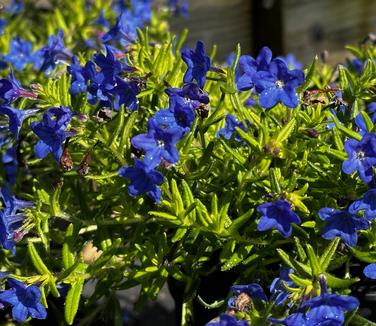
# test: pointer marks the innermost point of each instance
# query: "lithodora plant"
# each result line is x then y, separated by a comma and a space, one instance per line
132, 160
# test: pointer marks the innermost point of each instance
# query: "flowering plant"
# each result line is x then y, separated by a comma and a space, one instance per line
131, 159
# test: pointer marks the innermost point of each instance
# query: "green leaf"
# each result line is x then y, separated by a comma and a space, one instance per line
295, 265
348, 132
249, 139
37, 260
274, 183
236, 59
179, 234
299, 247
237, 257
177, 200
68, 254
358, 320
337, 154
300, 281
347, 81
242, 160
309, 224
55, 200
314, 261
310, 73
366, 256
367, 120
164, 215
55, 93
355, 51
182, 37
72, 301
119, 127
214, 305
338, 283
337, 139
42, 268
286, 131
328, 254
239, 222
203, 214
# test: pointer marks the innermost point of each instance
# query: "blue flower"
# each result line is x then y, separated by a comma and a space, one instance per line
3, 23
292, 320
326, 309
228, 320
229, 130
291, 61
142, 10
124, 30
342, 224
16, 117
10, 217
54, 52
3, 64
367, 204
329, 309
358, 65
20, 53
15, 7
198, 64
125, 94
159, 143
277, 215
165, 119
190, 91
183, 111
51, 132
101, 20
253, 290
79, 77
371, 109
143, 180
12, 203
108, 64
370, 271
98, 87
361, 124
25, 301
362, 156
183, 102
178, 7
277, 288
278, 84
11, 89
248, 66
10, 164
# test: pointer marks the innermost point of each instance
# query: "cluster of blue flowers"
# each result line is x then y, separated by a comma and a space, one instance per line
44, 59
101, 79
271, 79
168, 126
309, 310
11, 219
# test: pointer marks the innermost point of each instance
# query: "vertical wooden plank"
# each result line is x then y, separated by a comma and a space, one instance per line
314, 26
267, 25
221, 22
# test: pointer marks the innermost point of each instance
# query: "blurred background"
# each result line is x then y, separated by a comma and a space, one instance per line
303, 27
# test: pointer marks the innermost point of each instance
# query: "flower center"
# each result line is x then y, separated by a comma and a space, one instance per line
360, 155
160, 143
279, 83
